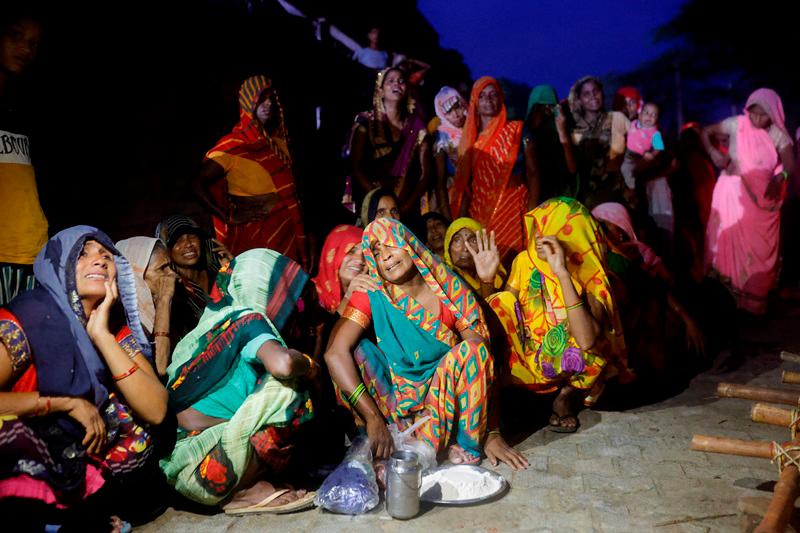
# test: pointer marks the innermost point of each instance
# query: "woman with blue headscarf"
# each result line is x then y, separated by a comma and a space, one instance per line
77, 383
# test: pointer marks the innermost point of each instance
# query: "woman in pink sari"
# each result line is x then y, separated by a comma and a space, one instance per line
742, 237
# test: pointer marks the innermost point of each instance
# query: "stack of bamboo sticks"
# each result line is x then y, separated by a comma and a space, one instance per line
781, 508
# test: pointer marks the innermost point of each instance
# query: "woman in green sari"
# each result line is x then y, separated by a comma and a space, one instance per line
232, 383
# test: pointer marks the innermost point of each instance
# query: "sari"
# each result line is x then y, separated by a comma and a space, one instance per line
743, 233
485, 166
391, 163
419, 366
258, 174
44, 332
457, 225
215, 370
338, 244
544, 355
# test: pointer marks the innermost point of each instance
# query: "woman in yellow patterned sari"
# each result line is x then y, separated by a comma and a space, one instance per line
558, 311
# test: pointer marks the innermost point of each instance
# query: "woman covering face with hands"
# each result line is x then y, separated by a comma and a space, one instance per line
76, 377
559, 313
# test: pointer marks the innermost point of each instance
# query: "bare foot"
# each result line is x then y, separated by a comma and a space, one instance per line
257, 493
459, 456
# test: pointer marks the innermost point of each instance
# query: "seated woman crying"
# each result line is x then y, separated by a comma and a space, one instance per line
430, 358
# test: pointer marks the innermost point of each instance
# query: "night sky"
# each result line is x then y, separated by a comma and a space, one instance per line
550, 41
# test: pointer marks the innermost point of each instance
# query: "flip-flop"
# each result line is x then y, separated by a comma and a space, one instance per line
560, 428
262, 507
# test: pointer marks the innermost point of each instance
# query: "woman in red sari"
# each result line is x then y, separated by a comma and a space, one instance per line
484, 188
256, 205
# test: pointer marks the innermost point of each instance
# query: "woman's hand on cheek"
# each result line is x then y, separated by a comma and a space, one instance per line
97, 325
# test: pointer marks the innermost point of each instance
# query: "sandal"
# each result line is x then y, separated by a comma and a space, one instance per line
304, 502
556, 424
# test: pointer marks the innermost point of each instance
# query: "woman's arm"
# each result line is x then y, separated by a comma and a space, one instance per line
584, 322
162, 299
718, 158
442, 198
146, 395
339, 358
283, 362
345, 39
210, 173
532, 174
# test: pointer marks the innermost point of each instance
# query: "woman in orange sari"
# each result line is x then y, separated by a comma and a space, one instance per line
484, 188
247, 182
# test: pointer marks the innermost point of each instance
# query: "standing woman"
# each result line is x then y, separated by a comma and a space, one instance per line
388, 146
247, 182
77, 388
485, 188
599, 139
742, 238
452, 112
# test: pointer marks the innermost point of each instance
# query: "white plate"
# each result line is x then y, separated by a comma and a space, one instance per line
433, 494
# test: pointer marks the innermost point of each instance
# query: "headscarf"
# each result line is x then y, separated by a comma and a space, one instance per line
169, 230
627, 93
772, 105
138, 250
541, 95
617, 214
369, 207
438, 277
585, 254
443, 102
338, 244
472, 224
249, 135
260, 286
67, 362
478, 142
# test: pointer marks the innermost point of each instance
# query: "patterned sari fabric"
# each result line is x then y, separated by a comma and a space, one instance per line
485, 165
420, 366
457, 225
544, 355
216, 371
339, 242
257, 164
743, 233
44, 333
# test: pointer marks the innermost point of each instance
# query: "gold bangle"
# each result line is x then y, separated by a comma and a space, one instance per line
575, 306
131, 370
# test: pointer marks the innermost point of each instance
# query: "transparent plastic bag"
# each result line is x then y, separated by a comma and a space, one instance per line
351, 487
404, 440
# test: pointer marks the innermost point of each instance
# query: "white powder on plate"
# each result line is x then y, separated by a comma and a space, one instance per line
455, 484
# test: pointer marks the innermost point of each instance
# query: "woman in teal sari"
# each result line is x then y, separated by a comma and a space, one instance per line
232, 384
431, 357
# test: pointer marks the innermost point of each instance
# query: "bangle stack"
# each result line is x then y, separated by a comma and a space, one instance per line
161, 334
356, 395
131, 370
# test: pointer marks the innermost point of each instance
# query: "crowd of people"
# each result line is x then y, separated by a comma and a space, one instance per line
548, 254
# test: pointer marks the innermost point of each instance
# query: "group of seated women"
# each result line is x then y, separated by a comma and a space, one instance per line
101, 362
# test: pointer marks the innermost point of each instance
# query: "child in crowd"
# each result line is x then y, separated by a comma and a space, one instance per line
644, 141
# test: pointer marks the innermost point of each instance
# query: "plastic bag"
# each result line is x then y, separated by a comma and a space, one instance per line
404, 440
351, 487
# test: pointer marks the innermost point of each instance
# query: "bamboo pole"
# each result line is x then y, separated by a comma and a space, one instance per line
748, 448
790, 357
781, 508
790, 377
763, 394
768, 414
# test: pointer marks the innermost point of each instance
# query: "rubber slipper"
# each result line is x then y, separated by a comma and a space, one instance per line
263, 506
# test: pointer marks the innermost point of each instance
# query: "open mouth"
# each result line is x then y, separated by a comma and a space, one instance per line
191, 254
97, 276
